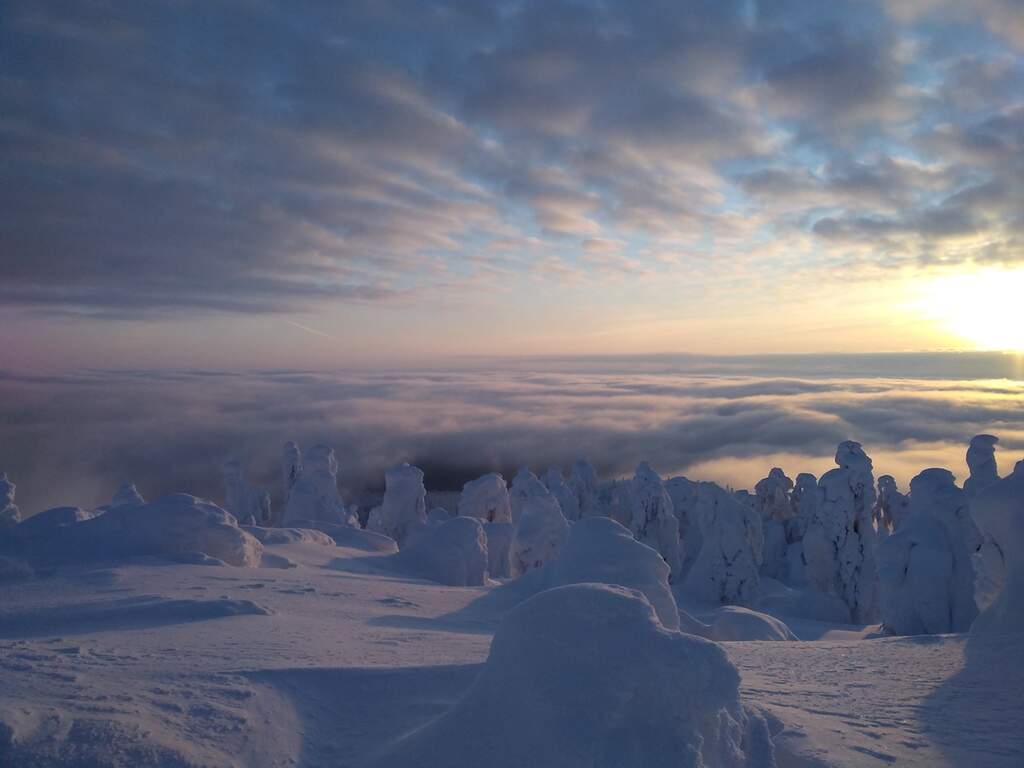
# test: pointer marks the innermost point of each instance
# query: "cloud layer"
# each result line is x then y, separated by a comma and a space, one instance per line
73, 439
173, 158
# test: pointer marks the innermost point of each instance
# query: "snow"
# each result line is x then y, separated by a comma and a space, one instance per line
249, 505
774, 504
891, 508
452, 553
486, 499
315, 493
539, 535
127, 494
583, 483
733, 623
499, 549
525, 487
653, 521
981, 461
925, 571
405, 502
593, 679
725, 570
9, 512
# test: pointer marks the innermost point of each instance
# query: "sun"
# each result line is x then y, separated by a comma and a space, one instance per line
984, 309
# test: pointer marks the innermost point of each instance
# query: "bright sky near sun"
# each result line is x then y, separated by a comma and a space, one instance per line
323, 183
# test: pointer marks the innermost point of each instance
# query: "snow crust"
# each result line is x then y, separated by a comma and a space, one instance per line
672, 700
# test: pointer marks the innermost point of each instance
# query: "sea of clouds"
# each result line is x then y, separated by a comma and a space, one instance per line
73, 438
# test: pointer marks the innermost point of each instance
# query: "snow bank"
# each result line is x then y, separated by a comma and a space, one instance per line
653, 520
839, 545
452, 553
174, 525
595, 680
999, 512
539, 535
9, 512
486, 499
315, 493
249, 505
725, 570
601, 550
405, 502
567, 500
925, 571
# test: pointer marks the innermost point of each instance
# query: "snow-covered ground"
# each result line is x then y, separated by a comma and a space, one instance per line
331, 661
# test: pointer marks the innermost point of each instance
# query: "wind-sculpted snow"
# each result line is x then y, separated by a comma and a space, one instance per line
539, 534
174, 525
925, 573
725, 570
594, 680
839, 545
999, 512
405, 502
486, 499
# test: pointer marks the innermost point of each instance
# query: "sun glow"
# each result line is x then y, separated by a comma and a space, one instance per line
985, 309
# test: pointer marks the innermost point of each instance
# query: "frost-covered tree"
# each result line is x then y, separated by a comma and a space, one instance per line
291, 468
839, 545
891, 506
405, 502
775, 508
567, 500
315, 494
486, 499
925, 571
653, 521
540, 534
127, 494
9, 512
526, 486
249, 505
725, 570
583, 483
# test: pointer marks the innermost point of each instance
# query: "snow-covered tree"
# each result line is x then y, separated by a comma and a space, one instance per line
291, 468
583, 483
486, 499
891, 506
315, 494
540, 534
776, 509
249, 505
405, 502
981, 460
653, 520
925, 571
999, 512
526, 486
989, 559
567, 500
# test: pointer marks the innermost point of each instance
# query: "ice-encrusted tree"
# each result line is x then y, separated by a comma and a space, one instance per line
567, 500
127, 494
540, 533
653, 520
583, 483
405, 502
839, 545
315, 494
526, 486
725, 570
9, 512
891, 507
926, 577
249, 505
775, 507
486, 499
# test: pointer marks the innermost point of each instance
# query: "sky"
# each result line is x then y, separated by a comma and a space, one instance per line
246, 184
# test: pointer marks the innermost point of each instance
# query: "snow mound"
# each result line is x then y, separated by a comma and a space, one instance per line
174, 525
733, 622
580, 700
452, 553
405, 502
924, 568
540, 534
999, 512
725, 571
599, 550
486, 499
348, 536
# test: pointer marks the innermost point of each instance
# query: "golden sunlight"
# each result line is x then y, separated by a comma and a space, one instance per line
982, 308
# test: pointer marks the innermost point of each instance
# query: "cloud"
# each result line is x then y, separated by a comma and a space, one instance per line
74, 439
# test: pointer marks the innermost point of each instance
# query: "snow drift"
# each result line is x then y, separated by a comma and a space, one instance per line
596, 680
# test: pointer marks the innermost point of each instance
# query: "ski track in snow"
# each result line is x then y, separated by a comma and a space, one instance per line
323, 664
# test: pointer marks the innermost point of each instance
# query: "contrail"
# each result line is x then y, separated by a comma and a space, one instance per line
307, 329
